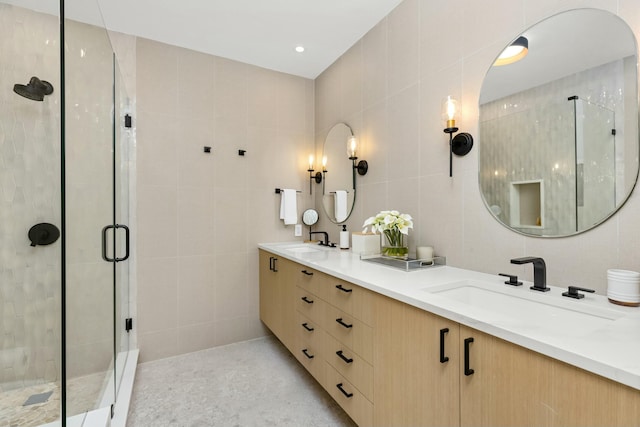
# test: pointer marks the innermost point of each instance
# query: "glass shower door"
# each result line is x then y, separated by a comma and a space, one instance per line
88, 190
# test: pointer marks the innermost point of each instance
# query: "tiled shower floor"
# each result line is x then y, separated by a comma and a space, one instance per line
252, 383
83, 394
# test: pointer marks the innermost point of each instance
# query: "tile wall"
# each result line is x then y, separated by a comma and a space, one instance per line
200, 216
389, 87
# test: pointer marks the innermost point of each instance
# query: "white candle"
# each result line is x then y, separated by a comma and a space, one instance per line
424, 253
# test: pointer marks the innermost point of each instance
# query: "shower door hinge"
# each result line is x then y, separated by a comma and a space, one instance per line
128, 324
127, 121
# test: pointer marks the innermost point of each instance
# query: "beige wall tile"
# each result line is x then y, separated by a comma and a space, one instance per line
158, 345
157, 136
403, 45
157, 294
375, 66
157, 208
196, 293
157, 71
195, 85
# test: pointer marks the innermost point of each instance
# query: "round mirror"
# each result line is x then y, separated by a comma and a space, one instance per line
338, 185
310, 217
558, 146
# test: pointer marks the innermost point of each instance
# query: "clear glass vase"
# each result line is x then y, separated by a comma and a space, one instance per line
395, 246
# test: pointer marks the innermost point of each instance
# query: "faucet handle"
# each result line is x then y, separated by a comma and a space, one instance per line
513, 280
572, 292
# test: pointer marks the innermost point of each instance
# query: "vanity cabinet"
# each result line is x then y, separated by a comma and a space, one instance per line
417, 360
431, 371
388, 363
277, 296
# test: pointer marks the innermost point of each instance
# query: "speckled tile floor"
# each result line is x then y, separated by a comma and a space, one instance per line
253, 383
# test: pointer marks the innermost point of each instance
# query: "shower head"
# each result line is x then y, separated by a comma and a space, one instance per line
35, 90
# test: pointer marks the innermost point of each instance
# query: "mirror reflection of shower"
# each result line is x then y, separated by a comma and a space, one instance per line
35, 90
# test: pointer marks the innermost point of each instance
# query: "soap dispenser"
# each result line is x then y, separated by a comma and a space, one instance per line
344, 238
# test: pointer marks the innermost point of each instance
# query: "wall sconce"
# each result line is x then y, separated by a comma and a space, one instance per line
352, 149
318, 175
461, 144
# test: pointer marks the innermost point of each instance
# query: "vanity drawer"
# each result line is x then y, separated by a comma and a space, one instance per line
350, 298
310, 305
312, 280
351, 366
349, 331
310, 356
309, 332
348, 397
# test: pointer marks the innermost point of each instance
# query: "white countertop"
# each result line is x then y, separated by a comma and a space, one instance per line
612, 350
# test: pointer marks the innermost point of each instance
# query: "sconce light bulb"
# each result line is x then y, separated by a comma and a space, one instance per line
310, 161
324, 163
352, 146
449, 111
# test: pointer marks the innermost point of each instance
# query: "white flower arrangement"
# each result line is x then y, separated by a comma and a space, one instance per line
389, 221
394, 226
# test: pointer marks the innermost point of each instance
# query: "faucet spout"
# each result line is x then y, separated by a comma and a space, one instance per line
539, 272
324, 233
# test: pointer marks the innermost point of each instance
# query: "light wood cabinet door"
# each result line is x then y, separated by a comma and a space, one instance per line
585, 399
412, 387
509, 386
277, 297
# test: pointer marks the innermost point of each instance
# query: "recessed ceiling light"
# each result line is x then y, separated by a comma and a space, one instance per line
513, 53
299, 49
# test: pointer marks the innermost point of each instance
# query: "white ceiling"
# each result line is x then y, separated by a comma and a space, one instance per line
258, 32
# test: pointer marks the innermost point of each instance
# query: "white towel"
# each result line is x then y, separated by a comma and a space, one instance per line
340, 205
288, 206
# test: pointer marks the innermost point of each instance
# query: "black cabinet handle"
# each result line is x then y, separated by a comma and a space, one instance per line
343, 357
275, 269
306, 326
343, 289
307, 273
443, 358
270, 263
349, 395
307, 300
467, 371
339, 320
309, 356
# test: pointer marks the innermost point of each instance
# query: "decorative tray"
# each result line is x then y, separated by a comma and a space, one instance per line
409, 264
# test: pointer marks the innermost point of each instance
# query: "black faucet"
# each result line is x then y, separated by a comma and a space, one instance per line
324, 233
539, 272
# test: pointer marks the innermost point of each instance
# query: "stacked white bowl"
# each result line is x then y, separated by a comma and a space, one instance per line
623, 287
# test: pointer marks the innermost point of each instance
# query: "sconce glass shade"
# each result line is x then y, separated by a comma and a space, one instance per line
310, 162
352, 147
514, 52
450, 111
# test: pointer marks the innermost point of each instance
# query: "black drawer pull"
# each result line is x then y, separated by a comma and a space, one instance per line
349, 395
306, 326
343, 289
308, 273
309, 356
270, 263
343, 357
307, 300
339, 320
275, 269
467, 371
443, 358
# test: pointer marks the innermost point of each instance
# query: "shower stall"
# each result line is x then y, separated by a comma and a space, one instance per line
65, 148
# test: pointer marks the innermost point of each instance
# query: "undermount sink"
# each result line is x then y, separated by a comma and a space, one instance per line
301, 249
542, 311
